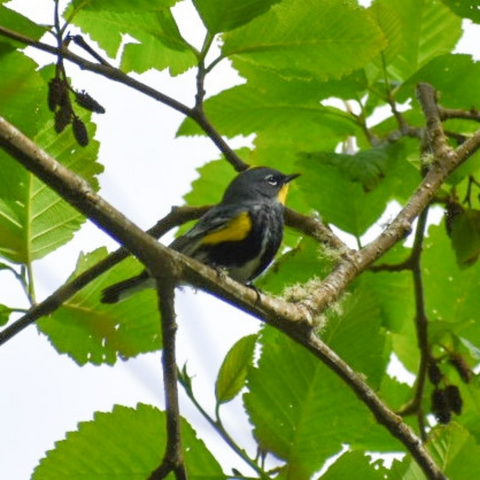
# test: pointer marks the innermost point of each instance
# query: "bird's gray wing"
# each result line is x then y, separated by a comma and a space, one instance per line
220, 218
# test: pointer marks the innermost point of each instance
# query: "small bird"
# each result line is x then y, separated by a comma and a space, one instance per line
240, 235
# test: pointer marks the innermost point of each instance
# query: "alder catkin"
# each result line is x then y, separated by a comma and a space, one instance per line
80, 132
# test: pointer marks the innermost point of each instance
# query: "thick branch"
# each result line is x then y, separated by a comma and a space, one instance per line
291, 319
435, 136
383, 414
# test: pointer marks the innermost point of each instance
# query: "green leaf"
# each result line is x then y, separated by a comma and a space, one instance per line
281, 149
465, 235
398, 469
360, 316
395, 393
302, 412
233, 371
389, 20
307, 38
23, 90
160, 43
121, 5
230, 14
91, 332
303, 262
124, 444
161, 46
428, 29
393, 292
354, 465
453, 75
20, 24
352, 191
451, 293
34, 220
465, 8
456, 450
214, 178
470, 394
300, 90
5, 313
245, 109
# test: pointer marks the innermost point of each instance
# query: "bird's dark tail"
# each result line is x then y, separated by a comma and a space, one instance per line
118, 291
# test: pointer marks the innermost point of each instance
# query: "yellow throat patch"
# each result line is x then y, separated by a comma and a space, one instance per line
282, 194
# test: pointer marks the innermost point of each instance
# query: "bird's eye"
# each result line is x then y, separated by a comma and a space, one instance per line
272, 180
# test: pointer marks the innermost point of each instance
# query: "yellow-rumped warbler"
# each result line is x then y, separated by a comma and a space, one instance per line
241, 234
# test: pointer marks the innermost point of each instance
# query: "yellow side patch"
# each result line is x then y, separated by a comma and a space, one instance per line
235, 230
282, 194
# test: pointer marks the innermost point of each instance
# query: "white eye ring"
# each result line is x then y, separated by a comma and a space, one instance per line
272, 180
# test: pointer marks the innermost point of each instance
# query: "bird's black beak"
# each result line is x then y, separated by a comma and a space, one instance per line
291, 177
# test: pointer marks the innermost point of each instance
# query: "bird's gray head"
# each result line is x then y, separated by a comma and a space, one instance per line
258, 184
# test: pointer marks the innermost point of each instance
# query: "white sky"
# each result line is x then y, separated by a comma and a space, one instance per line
45, 395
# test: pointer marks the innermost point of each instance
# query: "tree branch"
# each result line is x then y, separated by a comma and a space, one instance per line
434, 135
421, 320
178, 216
173, 460
117, 75
448, 113
313, 227
294, 320
382, 413
356, 262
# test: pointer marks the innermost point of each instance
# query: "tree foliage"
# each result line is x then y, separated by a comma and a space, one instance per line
324, 304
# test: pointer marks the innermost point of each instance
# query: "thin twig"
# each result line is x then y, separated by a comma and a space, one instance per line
458, 137
448, 113
80, 41
313, 227
202, 72
117, 75
421, 323
436, 142
405, 129
173, 460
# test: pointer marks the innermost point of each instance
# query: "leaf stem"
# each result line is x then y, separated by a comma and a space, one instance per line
217, 425
30, 283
